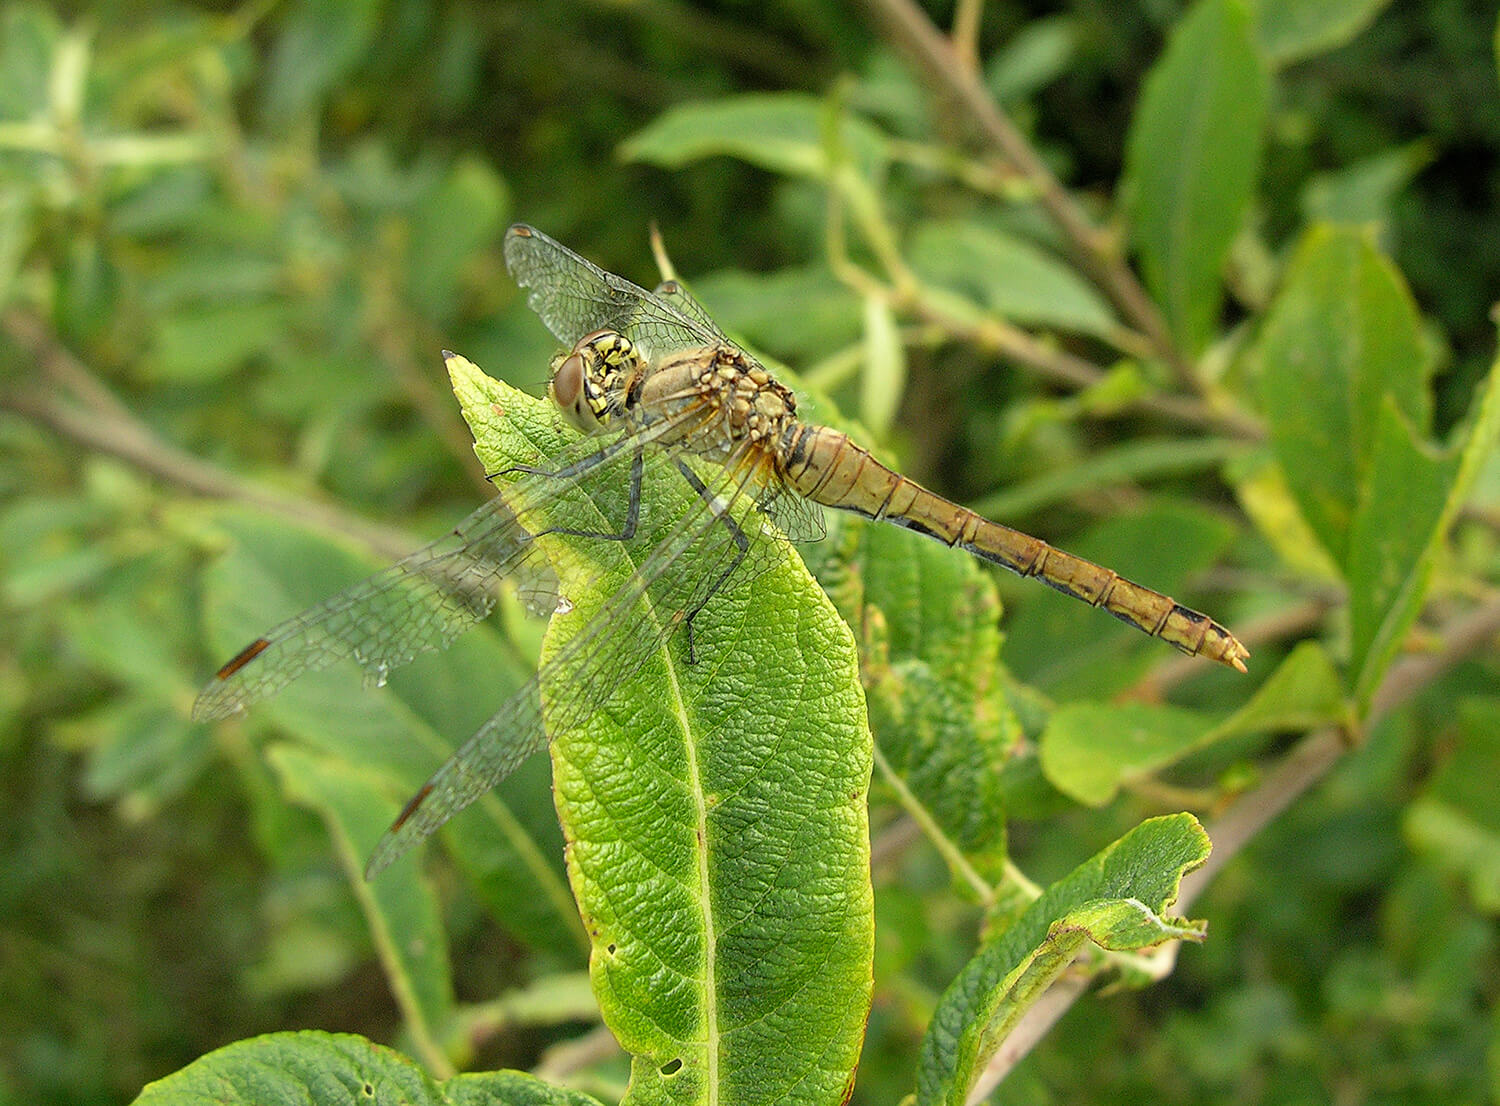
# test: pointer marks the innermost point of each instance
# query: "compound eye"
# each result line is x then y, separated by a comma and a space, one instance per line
568, 388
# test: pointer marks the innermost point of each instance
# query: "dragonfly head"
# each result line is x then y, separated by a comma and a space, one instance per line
590, 382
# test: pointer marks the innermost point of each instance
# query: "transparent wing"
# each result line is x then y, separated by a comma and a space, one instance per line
673, 293
418, 604
574, 298
422, 602
715, 542
795, 517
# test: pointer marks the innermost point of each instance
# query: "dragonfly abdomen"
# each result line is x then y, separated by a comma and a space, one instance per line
826, 466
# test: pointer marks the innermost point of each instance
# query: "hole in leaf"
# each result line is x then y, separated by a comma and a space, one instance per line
671, 1067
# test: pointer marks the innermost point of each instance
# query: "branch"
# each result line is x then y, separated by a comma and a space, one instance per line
1063, 367
78, 406
915, 34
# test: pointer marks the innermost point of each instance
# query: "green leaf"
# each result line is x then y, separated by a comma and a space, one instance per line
1305, 691
1456, 820
196, 344
715, 811
29, 38
1117, 899
1088, 750
404, 915
508, 841
1365, 192
1342, 334
321, 41
145, 749
1192, 158
1344, 379
1261, 486
1412, 496
288, 1068
798, 313
1289, 30
1008, 276
1036, 55
930, 655
781, 131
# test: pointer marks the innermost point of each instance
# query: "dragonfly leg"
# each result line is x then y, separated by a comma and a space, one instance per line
736, 534
582, 465
632, 512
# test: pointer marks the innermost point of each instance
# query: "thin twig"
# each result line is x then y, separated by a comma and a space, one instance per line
1030, 1031
966, 19
1062, 367
81, 408
952, 855
997, 336
915, 34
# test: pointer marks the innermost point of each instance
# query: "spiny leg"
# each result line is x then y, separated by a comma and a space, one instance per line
632, 511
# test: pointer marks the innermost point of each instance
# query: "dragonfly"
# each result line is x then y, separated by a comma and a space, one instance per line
656, 391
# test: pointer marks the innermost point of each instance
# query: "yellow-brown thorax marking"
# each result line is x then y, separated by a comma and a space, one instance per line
739, 403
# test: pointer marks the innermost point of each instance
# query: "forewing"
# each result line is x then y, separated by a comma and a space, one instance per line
422, 602
419, 604
574, 298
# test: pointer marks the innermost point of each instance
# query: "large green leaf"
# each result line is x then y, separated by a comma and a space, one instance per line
1412, 495
783, 132
285, 1069
1342, 333
930, 643
1292, 29
1344, 379
1117, 900
1008, 276
715, 811
1192, 159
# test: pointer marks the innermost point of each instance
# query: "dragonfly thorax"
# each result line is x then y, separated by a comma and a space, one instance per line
720, 396
732, 401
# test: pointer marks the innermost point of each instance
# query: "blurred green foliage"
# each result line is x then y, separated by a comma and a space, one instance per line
234, 239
